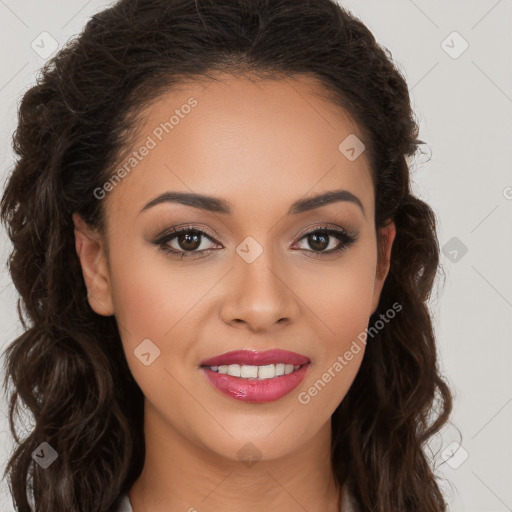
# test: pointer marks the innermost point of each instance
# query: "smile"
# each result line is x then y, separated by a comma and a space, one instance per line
244, 371
256, 377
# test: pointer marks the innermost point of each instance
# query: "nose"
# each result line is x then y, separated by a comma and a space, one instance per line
259, 296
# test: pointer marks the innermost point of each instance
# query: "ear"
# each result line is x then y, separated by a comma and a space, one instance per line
385, 238
91, 252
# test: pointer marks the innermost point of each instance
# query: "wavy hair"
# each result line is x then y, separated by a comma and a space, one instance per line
68, 367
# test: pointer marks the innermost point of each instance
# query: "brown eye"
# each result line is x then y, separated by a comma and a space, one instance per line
318, 241
189, 241
323, 241
186, 242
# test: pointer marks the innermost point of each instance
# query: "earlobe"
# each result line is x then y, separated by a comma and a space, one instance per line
90, 250
387, 236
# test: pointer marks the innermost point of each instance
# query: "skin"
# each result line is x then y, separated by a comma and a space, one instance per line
261, 146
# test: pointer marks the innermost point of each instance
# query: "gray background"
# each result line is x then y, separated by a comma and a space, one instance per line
464, 103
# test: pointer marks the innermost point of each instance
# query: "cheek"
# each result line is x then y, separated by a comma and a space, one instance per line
341, 305
150, 296
159, 301
341, 295
151, 300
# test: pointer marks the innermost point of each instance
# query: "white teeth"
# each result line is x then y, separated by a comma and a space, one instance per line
234, 369
244, 371
288, 369
266, 372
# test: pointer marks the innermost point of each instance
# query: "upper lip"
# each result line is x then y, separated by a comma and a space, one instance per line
255, 358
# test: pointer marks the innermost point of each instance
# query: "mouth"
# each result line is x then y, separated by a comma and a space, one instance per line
256, 377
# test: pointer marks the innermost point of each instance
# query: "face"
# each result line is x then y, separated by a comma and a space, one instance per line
249, 274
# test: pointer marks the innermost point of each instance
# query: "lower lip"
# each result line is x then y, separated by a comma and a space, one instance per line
255, 390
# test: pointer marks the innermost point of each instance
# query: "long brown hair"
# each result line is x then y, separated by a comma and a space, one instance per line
68, 367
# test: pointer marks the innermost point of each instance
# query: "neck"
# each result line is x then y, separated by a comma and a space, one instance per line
180, 475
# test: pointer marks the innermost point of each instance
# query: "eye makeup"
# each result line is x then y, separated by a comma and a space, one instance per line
185, 242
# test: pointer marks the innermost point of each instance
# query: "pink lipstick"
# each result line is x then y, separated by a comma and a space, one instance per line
256, 377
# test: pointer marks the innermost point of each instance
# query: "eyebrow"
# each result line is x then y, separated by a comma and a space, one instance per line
217, 205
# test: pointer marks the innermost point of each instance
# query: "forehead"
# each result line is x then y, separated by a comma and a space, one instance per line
250, 141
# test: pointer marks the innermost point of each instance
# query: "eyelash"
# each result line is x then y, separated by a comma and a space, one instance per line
346, 240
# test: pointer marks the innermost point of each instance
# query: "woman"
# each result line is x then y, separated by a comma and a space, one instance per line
223, 268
